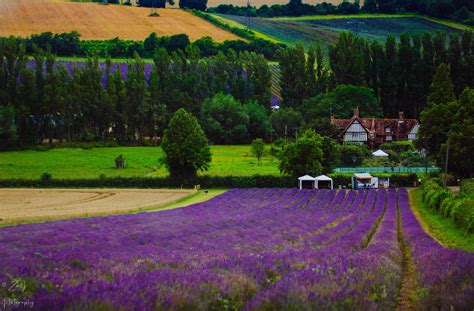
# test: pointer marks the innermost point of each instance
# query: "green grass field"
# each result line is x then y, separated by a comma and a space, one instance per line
308, 29
75, 163
442, 229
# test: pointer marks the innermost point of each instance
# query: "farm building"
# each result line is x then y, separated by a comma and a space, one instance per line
374, 131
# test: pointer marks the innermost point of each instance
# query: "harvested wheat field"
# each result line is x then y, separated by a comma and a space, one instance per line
25, 205
94, 21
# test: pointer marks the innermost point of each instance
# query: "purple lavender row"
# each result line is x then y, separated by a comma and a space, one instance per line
315, 284
341, 194
445, 276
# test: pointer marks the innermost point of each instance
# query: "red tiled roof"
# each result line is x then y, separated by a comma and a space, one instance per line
399, 128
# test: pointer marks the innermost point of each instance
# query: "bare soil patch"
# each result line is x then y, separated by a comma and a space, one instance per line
93, 21
26, 205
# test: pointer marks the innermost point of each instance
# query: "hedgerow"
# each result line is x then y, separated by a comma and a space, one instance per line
457, 207
256, 181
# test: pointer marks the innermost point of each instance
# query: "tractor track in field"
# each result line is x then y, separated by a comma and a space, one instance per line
409, 285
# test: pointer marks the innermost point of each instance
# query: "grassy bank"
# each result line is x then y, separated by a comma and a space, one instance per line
440, 228
77, 163
198, 197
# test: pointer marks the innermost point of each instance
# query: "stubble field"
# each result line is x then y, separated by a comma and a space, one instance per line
93, 21
25, 205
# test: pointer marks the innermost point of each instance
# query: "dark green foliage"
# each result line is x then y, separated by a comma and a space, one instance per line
441, 89
259, 123
286, 122
301, 76
90, 103
185, 146
330, 154
46, 177
457, 207
462, 136
341, 102
352, 154
199, 5
224, 119
321, 126
154, 3
69, 44
304, 156
346, 59
8, 131
256, 181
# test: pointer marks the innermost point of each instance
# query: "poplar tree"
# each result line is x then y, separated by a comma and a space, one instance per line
441, 88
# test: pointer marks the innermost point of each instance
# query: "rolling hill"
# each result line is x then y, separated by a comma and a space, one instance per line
93, 21
308, 29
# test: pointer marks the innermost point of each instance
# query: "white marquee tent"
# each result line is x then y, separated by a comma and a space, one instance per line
306, 178
379, 153
323, 178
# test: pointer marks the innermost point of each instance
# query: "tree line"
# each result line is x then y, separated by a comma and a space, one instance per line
397, 72
88, 103
458, 10
70, 44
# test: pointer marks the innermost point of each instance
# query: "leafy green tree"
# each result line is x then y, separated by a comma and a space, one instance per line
341, 102
330, 154
285, 122
436, 122
185, 146
224, 119
258, 149
352, 155
323, 127
441, 89
259, 123
461, 136
303, 156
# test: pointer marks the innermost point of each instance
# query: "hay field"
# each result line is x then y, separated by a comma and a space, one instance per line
26, 205
94, 21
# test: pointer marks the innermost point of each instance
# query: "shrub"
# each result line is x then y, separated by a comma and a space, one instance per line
46, 177
463, 214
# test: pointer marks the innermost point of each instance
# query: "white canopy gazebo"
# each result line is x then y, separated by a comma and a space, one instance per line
306, 178
323, 178
379, 153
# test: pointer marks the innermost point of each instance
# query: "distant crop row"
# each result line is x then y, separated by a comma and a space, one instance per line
247, 249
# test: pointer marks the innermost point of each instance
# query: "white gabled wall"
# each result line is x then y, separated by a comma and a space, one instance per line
413, 133
355, 132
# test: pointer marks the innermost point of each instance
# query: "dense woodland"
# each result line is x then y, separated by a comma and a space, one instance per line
459, 10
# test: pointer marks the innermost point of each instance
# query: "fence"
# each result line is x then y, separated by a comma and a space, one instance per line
387, 169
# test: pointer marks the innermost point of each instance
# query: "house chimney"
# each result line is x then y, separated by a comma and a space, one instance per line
356, 111
401, 116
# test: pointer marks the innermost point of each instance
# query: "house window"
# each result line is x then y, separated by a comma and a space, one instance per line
355, 135
387, 130
388, 138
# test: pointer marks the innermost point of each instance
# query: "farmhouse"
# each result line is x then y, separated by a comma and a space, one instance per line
374, 131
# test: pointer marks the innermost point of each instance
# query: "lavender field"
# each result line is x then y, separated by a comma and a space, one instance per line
257, 249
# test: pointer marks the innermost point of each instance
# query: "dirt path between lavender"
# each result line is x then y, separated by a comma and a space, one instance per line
30, 205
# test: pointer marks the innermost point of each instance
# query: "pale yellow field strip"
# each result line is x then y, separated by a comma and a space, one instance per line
26, 205
94, 21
